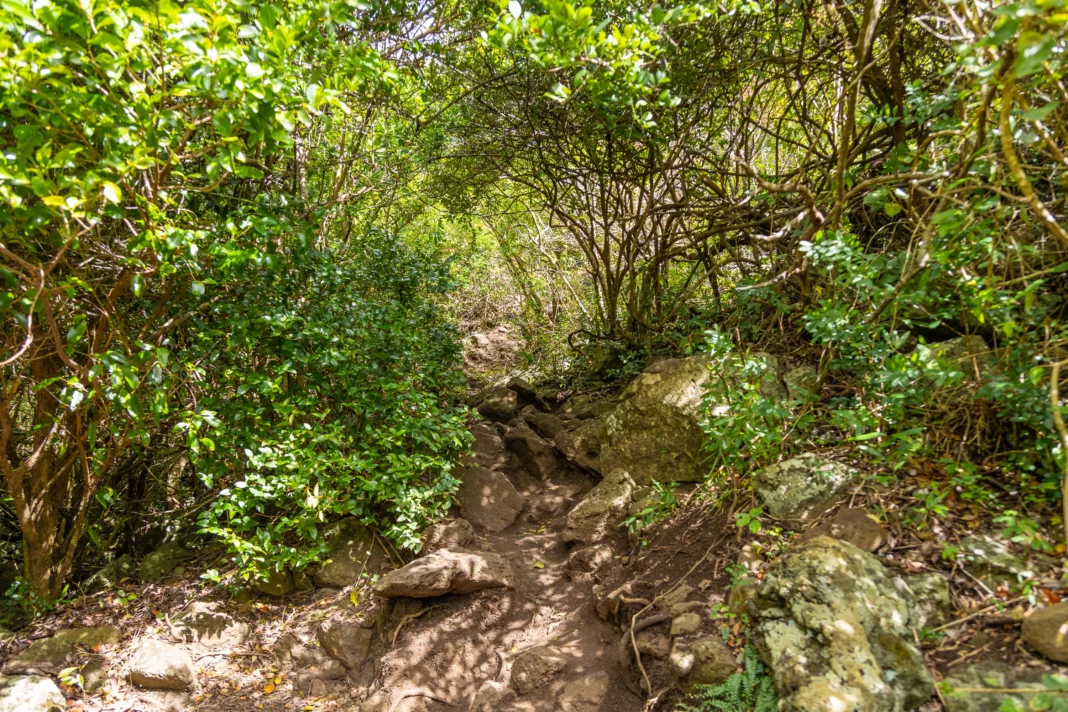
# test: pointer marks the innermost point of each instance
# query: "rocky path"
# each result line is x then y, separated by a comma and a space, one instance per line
535, 644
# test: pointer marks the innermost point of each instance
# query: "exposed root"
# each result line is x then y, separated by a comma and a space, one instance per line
418, 692
408, 619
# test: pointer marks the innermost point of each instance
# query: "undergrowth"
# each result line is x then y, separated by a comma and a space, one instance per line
751, 690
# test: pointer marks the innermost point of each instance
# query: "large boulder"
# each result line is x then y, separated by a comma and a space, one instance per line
655, 431
161, 666
837, 629
447, 571
488, 499
601, 510
208, 624
353, 549
30, 693
582, 445
801, 488
496, 403
533, 451
162, 561
488, 447
1046, 630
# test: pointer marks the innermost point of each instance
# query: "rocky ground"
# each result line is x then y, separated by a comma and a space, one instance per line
531, 596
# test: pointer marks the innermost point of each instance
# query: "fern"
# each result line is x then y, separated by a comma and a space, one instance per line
751, 690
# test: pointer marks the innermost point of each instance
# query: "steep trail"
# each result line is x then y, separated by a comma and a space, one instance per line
566, 654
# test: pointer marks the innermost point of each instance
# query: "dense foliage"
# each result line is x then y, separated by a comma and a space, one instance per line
225, 225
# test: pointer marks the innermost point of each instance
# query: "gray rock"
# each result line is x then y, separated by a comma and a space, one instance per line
932, 604
545, 424
836, 627
447, 571
352, 549
686, 624
448, 535
161, 666
61, 649
277, 583
210, 625
488, 499
533, 451
802, 383
851, 524
162, 561
655, 431
584, 694
971, 353
30, 693
1046, 630
705, 661
590, 560
345, 641
112, 574
993, 675
993, 562
654, 642
497, 403
601, 510
535, 667
582, 445
299, 651
584, 407
488, 448
801, 488
527, 393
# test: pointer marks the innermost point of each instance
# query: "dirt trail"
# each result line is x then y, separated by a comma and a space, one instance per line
459, 642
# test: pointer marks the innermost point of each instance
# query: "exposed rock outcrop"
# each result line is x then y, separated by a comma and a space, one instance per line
30, 693
496, 403
455, 534
162, 561
582, 445
353, 549
837, 629
533, 451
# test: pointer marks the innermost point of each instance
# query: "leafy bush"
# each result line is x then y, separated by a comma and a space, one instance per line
338, 393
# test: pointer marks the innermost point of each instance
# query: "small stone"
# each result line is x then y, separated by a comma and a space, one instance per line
681, 659
448, 535
488, 499
162, 561
533, 668
488, 447
112, 574
30, 693
277, 583
208, 624
851, 524
713, 662
584, 694
447, 571
686, 624
675, 596
590, 560
679, 609
161, 666
654, 643
801, 488
1046, 630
